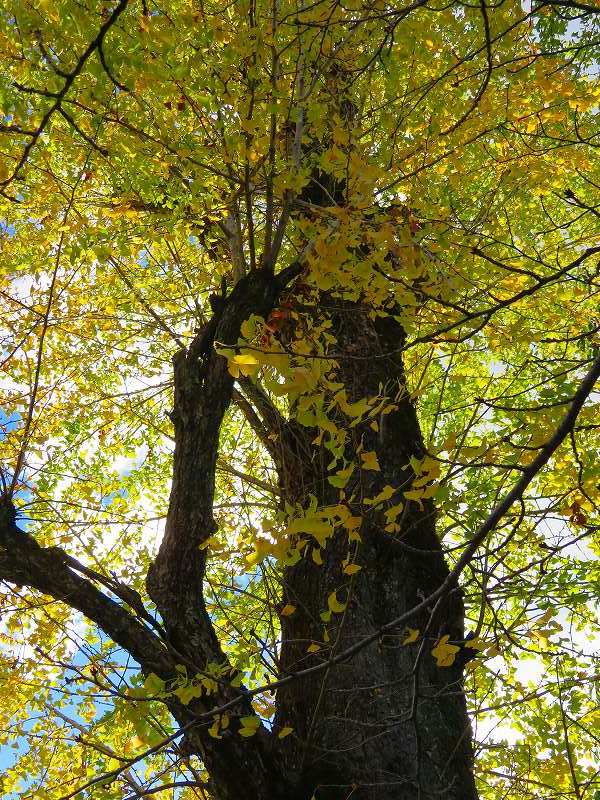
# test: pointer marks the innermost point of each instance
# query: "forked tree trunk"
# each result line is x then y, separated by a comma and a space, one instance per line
385, 724
388, 722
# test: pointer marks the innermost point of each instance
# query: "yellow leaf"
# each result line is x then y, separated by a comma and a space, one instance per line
249, 726
369, 461
313, 648
352, 525
445, 653
430, 467
414, 494
262, 548
251, 326
284, 732
334, 604
383, 495
476, 644
392, 513
546, 617
316, 526
341, 477
413, 635
316, 556
243, 364
352, 569
288, 610
449, 443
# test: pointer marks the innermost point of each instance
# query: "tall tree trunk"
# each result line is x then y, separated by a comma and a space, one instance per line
389, 722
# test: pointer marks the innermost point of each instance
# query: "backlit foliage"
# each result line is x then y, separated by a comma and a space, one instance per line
152, 153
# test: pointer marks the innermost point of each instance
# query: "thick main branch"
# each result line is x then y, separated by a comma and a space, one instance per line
24, 562
203, 391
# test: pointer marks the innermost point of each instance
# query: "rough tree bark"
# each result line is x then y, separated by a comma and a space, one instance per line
389, 723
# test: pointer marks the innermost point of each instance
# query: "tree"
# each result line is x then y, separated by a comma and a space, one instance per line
329, 271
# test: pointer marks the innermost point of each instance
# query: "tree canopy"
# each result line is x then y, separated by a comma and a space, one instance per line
299, 439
